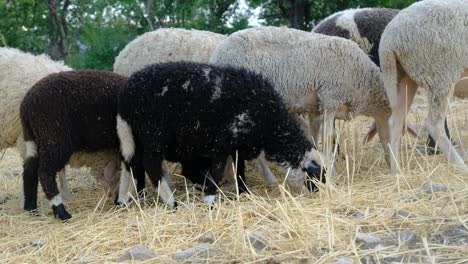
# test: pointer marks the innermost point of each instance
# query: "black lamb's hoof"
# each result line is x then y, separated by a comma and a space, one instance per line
60, 212
244, 191
30, 206
175, 205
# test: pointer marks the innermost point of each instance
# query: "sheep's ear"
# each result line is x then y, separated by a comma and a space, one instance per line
371, 134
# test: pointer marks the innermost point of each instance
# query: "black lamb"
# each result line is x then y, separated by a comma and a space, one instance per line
64, 113
189, 110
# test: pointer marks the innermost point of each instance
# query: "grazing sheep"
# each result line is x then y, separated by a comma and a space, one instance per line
19, 71
313, 73
365, 27
425, 45
164, 45
62, 114
187, 110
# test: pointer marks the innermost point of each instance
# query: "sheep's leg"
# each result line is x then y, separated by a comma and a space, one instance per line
434, 124
431, 143
315, 124
381, 123
30, 178
52, 159
328, 135
153, 165
241, 183
217, 169
405, 93
65, 189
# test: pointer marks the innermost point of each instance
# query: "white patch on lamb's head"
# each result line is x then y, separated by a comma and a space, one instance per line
216, 89
240, 123
206, 73
127, 144
124, 187
31, 149
346, 21
163, 91
56, 201
186, 85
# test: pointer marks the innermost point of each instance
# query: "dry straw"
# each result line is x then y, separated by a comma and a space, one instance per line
401, 222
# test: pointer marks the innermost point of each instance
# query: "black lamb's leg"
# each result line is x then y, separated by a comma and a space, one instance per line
30, 183
241, 183
431, 143
52, 159
217, 172
153, 166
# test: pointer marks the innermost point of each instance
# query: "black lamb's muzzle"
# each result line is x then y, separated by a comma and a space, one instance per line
315, 172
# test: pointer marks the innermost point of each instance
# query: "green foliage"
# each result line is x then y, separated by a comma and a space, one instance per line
98, 46
97, 30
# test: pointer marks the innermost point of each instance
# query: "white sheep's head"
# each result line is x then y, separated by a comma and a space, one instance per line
312, 165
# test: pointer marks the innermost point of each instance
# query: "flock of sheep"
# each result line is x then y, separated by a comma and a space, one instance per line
211, 98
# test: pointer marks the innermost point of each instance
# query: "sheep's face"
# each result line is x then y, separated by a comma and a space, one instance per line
311, 166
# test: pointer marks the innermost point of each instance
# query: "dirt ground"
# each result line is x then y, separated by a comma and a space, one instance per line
363, 215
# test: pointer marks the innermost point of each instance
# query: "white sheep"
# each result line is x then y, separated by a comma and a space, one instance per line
425, 45
164, 45
19, 71
314, 73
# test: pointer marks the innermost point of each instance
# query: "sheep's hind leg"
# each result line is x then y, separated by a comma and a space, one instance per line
30, 178
51, 161
434, 123
431, 143
405, 93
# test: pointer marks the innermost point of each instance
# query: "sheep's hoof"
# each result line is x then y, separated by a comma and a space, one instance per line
60, 212
30, 206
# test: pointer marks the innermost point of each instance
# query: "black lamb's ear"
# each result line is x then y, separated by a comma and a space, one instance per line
315, 172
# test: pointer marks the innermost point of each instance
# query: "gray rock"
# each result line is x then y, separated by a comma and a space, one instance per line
85, 260
415, 193
367, 238
402, 214
207, 238
406, 236
343, 260
138, 252
201, 251
39, 242
432, 187
4, 198
455, 235
257, 239
367, 212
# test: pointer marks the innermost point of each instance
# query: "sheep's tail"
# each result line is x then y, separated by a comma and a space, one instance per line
389, 66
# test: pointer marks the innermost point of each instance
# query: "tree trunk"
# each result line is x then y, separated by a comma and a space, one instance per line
149, 14
296, 12
58, 48
53, 43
